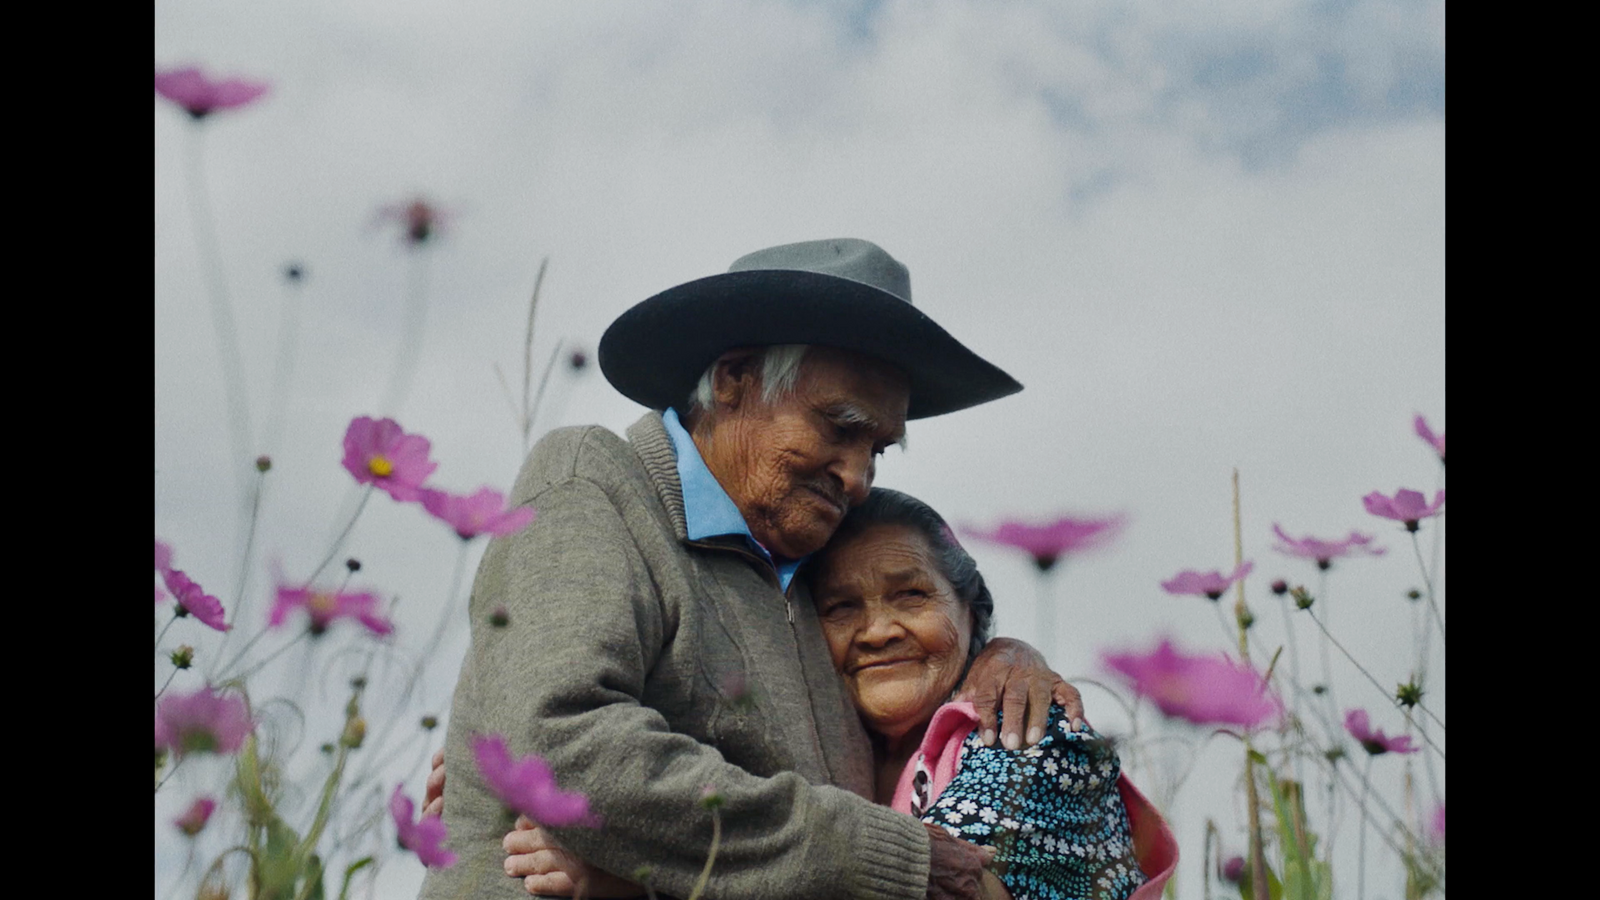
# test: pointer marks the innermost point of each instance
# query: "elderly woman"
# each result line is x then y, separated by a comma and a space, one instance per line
905, 613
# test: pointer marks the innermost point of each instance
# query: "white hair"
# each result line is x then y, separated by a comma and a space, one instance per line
780, 369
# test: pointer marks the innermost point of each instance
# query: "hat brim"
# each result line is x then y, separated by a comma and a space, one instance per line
655, 352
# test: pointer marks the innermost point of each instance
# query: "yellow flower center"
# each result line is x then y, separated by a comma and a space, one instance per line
380, 467
322, 603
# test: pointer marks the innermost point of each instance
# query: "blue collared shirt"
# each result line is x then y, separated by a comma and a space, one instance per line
707, 509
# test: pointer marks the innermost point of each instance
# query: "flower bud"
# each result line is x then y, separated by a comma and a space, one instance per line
263, 463
1409, 694
294, 272
326, 748
710, 798
429, 723
1280, 587
183, 656
353, 564
578, 361
355, 731
1334, 754
1413, 594
1319, 689
1233, 870
1302, 598
359, 682
499, 618
1246, 619
193, 821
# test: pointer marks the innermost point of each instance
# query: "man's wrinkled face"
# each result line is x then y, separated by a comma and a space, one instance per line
794, 466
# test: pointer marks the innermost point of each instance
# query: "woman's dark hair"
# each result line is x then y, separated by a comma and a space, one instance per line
887, 507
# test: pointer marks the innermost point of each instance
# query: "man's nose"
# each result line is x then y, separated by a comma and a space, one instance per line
855, 471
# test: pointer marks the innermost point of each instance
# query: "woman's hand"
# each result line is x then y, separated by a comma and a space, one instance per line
1011, 676
433, 793
546, 867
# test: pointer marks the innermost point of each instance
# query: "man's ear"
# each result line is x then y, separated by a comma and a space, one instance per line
736, 380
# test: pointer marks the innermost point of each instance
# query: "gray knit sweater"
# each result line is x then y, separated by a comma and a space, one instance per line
623, 664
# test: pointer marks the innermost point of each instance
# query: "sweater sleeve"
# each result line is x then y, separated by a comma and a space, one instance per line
564, 679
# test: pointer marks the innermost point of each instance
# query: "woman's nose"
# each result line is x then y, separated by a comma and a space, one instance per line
881, 628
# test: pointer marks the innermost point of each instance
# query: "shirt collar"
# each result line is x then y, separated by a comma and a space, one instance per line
708, 511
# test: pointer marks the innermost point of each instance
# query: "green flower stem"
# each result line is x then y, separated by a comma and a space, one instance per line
1044, 612
1361, 841
338, 542
221, 309
325, 807
1384, 806
451, 604
164, 628
241, 677
237, 609
283, 369
164, 684
530, 412
411, 340
716, 843
1427, 582
170, 773
1374, 681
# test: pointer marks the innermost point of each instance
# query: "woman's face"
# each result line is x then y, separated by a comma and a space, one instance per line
898, 634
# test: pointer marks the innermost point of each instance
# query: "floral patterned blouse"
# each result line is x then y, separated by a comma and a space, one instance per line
1052, 810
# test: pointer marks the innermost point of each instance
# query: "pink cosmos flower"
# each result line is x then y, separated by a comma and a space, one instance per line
199, 95
377, 452
1373, 740
1407, 506
163, 557
1205, 584
202, 722
419, 219
325, 607
1204, 690
528, 786
1436, 825
1324, 552
1049, 542
1434, 440
193, 821
473, 515
425, 838
192, 600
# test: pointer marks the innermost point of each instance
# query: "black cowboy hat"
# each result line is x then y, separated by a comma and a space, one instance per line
844, 293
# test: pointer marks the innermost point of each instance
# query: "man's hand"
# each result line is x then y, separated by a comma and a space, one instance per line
1011, 676
433, 793
546, 867
955, 867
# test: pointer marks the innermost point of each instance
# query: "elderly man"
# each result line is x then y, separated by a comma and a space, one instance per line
655, 642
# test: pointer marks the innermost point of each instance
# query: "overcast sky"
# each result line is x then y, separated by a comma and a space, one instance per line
1206, 237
